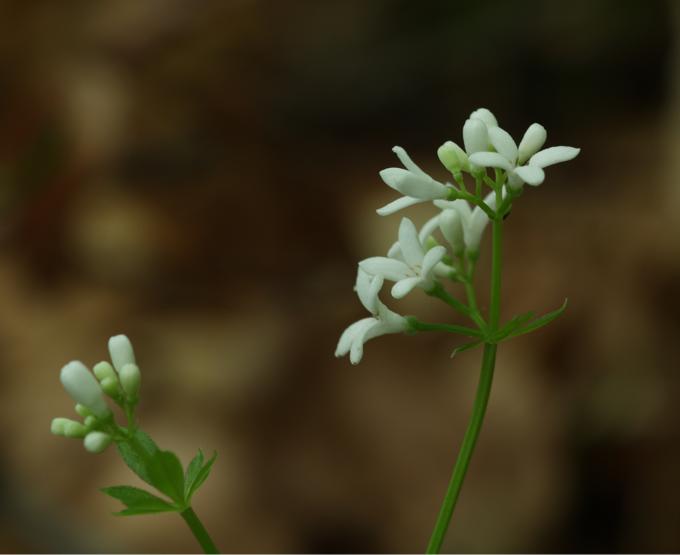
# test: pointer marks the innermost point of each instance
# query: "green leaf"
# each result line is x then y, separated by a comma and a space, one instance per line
167, 475
540, 322
512, 325
138, 501
192, 472
137, 452
466, 347
201, 477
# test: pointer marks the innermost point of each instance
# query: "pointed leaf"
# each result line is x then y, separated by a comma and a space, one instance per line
137, 452
167, 475
201, 476
466, 347
540, 322
513, 324
192, 472
138, 501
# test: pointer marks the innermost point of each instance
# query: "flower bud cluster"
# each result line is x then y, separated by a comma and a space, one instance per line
119, 381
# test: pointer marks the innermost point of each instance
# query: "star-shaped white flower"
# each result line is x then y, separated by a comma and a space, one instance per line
414, 267
513, 159
382, 322
412, 182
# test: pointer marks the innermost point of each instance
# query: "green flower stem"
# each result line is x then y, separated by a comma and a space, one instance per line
417, 325
199, 531
441, 293
481, 398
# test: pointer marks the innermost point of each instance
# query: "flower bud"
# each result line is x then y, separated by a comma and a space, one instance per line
104, 370
90, 421
452, 228
82, 386
58, 425
130, 379
453, 157
121, 352
82, 410
475, 136
96, 442
531, 143
486, 116
67, 428
110, 386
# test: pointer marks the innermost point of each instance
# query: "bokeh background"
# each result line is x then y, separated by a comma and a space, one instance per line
202, 176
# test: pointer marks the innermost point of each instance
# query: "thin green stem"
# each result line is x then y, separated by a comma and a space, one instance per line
199, 531
481, 398
445, 296
417, 325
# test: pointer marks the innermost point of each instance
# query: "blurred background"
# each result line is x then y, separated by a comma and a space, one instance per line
203, 176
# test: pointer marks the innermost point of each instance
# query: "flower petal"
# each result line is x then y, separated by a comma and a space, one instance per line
503, 143
432, 258
367, 288
356, 351
486, 116
490, 160
553, 155
475, 136
410, 245
399, 204
531, 174
428, 229
395, 252
347, 337
405, 286
451, 226
391, 269
409, 164
413, 185
534, 138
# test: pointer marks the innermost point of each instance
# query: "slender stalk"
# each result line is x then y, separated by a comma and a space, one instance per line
417, 325
481, 399
199, 531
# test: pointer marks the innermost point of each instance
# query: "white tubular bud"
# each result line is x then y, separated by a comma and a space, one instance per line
82, 386
452, 228
121, 352
58, 425
110, 386
475, 136
96, 442
104, 370
453, 157
130, 379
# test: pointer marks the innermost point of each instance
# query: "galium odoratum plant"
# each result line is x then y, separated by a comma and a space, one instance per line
489, 174
120, 380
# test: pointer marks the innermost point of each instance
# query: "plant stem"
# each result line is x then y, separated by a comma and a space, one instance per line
199, 531
481, 398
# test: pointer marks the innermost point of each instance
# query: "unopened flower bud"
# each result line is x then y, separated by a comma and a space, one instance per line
67, 428
82, 386
104, 370
110, 386
121, 352
83, 411
58, 425
452, 228
96, 442
130, 379
453, 157
90, 421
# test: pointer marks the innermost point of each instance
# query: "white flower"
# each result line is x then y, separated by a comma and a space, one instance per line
485, 116
82, 386
475, 138
121, 352
412, 182
382, 322
511, 158
415, 268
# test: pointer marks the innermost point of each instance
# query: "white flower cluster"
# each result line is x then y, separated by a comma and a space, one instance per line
119, 381
417, 259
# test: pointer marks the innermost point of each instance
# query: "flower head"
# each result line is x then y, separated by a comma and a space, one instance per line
513, 159
409, 265
382, 321
82, 386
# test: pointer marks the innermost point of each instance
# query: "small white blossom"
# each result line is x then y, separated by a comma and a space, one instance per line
96, 442
382, 322
415, 269
82, 386
121, 352
511, 158
412, 182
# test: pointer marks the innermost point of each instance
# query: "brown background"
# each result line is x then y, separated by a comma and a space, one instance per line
202, 176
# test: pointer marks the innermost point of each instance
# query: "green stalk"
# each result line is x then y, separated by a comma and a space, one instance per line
481, 398
199, 531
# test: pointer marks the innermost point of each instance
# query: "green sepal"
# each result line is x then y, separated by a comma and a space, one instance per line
138, 501
466, 347
197, 473
539, 322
